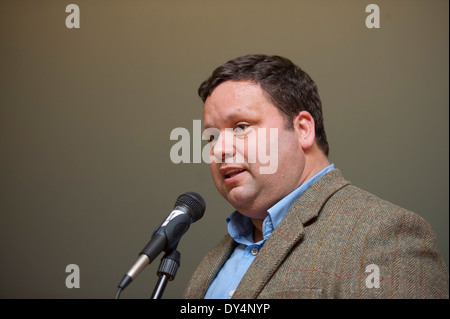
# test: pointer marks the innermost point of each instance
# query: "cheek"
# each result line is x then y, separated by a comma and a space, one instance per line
246, 149
290, 153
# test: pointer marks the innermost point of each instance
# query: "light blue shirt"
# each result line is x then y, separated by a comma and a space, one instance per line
240, 229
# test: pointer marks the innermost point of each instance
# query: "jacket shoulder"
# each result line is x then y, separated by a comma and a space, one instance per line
356, 231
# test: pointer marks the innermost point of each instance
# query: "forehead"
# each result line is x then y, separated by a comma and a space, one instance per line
235, 99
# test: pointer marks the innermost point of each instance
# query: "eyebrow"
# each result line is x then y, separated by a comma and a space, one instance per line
233, 117
249, 112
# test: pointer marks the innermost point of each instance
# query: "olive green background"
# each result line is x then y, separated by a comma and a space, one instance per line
86, 116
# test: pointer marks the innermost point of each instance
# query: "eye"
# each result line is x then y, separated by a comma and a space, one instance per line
240, 128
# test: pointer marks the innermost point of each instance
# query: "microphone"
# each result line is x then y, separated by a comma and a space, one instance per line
189, 207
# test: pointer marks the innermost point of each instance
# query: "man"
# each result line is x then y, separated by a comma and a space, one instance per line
301, 231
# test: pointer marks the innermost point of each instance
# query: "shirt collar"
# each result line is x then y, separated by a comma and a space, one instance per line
240, 227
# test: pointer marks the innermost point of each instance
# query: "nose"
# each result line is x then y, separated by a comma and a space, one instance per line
224, 147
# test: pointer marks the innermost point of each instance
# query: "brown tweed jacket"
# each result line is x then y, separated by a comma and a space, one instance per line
325, 245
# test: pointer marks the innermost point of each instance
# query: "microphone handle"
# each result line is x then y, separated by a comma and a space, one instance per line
166, 237
155, 246
148, 254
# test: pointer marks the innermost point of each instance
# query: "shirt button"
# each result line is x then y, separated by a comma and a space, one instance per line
254, 251
231, 293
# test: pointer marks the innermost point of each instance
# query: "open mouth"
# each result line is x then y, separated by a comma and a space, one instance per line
230, 174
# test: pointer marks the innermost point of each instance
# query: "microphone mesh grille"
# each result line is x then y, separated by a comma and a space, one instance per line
195, 202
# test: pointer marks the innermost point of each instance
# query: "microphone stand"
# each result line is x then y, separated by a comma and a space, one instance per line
166, 272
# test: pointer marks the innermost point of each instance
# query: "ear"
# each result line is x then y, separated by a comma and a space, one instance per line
305, 128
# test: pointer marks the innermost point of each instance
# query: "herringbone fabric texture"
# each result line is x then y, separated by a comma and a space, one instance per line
326, 241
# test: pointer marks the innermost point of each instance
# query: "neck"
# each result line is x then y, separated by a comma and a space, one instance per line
257, 231
315, 162
313, 166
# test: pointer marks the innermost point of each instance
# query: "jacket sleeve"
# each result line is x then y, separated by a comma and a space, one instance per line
403, 260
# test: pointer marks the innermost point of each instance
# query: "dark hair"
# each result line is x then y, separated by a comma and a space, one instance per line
287, 86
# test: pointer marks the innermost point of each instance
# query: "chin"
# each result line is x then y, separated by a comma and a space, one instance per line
240, 199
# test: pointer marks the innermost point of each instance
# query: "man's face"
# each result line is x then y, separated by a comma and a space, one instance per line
241, 113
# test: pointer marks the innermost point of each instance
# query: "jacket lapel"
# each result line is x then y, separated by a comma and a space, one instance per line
289, 232
209, 268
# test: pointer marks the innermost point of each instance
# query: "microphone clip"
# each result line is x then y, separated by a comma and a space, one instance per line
166, 272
